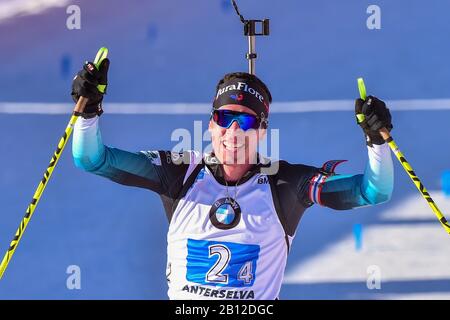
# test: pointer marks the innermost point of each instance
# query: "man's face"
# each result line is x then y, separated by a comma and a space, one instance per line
233, 146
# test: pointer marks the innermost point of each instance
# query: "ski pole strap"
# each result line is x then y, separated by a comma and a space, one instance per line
317, 181
329, 166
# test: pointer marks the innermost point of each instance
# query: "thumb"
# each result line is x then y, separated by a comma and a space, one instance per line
358, 105
359, 111
103, 75
103, 71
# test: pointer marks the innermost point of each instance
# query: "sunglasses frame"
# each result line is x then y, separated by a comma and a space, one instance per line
261, 121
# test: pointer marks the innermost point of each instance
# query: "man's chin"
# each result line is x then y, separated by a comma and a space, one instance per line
234, 160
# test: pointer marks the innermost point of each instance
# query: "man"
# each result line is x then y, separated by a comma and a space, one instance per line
232, 214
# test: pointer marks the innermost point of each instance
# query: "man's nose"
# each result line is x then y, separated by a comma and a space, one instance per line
234, 125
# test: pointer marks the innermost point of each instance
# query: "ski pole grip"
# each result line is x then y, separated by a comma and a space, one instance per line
81, 104
385, 134
101, 55
362, 93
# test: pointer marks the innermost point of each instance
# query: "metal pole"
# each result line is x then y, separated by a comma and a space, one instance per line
251, 56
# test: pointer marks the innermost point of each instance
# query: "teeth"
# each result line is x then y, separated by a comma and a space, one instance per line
232, 146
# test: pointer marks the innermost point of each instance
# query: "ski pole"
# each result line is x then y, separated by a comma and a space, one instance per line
79, 107
405, 164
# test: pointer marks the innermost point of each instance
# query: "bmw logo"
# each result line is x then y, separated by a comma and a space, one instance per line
225, 213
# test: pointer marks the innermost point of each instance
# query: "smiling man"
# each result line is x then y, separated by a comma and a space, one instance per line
232, 217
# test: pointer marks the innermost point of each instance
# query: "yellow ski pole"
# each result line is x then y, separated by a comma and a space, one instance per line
79, 107
405, 164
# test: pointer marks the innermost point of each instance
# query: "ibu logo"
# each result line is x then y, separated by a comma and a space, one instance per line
200, 175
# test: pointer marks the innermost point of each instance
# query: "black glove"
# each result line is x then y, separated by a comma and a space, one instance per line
376, 116
91, 83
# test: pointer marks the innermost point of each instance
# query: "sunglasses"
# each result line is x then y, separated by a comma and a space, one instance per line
225, 118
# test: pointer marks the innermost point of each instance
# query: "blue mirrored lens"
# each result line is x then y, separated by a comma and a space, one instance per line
225, 118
